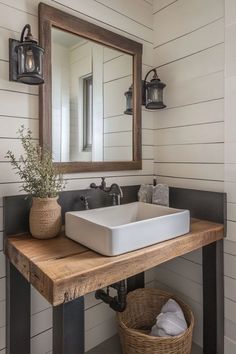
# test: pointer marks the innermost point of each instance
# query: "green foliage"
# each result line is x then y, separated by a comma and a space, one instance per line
40, 178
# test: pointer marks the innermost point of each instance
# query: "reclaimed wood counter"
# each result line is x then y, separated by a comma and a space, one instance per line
63, 270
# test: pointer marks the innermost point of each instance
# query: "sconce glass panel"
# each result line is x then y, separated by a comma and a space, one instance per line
30, 63
26, 59
154, 94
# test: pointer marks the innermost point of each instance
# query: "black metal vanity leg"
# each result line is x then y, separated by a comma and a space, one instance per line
18, 312
135, 282
68, 327
213, 298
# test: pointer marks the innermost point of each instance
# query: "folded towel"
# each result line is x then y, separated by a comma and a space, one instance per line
170, 322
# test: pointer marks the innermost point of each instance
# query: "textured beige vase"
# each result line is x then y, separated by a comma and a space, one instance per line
45, 218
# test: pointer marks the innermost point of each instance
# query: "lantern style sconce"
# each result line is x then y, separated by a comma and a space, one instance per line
153, 92
26, 59
129, 101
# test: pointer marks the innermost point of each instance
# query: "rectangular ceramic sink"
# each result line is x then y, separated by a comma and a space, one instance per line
123, 228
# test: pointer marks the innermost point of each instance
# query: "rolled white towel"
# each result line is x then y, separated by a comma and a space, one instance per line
157, 332
170, 322
172, 306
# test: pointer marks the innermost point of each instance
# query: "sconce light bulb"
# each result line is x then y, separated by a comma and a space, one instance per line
29, 62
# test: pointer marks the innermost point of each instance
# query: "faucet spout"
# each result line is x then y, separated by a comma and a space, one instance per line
117, 188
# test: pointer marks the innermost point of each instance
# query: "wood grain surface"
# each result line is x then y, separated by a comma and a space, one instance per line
62, 270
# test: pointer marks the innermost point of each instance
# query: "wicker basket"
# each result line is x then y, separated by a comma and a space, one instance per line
143, 305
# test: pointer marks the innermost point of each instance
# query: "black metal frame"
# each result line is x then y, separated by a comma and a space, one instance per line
213, 298
68, 327
18, 312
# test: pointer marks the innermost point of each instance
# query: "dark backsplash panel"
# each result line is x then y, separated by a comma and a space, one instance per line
16, 208
202, 204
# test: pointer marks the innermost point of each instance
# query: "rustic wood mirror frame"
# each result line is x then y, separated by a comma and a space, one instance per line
51, 17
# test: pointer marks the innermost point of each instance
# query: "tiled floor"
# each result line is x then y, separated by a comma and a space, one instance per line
112, 346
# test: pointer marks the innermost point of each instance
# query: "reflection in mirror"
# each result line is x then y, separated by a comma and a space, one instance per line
88, 85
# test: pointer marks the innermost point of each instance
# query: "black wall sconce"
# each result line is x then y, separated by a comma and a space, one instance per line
26, 59
129, 101
152, 94
153, 91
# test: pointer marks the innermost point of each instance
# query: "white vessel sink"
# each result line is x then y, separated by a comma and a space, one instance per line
123, 228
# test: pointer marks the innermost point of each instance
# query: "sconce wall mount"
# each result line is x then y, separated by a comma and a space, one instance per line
26, 59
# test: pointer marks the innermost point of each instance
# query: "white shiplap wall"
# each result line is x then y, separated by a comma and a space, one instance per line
189, 134
19, 105
230, 176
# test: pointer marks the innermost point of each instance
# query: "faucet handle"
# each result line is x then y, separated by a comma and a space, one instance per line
102, 186
84, 200
114, 197
103, 183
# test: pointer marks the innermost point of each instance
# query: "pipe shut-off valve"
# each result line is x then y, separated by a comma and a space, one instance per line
117, 303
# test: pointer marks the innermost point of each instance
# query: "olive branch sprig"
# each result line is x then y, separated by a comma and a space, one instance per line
39, 176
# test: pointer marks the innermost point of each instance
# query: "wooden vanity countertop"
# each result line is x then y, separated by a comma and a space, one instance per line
62, 270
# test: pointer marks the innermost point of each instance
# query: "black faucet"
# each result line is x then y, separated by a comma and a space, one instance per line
114, 190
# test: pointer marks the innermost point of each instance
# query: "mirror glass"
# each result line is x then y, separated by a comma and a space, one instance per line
88, 102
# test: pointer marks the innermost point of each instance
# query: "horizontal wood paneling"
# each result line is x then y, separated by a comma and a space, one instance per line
114, 98
189, 134
42, 343
195, 153
191, 43
14, 19
143, 15
200, 113
118, 124
19, 105
213, 172
2, 338
230, 346
41, 321
118, 67
161, 4
180, 283
194, 134
231, 231
118, 153
198, 14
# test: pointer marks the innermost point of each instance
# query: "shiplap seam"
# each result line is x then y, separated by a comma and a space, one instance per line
189, 125
164, 7
187, 33
120, 13
190, 55
184, 144
190, 178
195, 103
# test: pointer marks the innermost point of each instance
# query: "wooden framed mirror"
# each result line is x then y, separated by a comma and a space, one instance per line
87, 70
